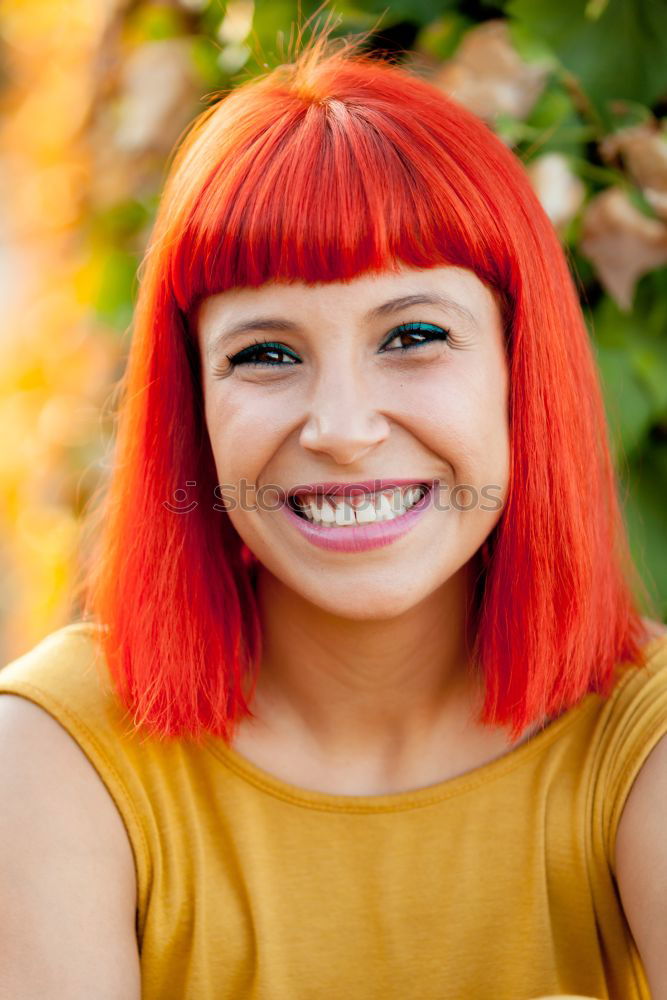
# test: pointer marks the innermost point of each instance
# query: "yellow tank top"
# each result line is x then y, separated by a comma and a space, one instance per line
497, 884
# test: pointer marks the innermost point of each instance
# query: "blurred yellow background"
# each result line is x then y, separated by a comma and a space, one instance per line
96, 94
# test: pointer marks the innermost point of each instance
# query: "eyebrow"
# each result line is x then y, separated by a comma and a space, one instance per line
421, 299
280, 325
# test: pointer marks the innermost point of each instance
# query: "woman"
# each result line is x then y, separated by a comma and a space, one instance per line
361, 688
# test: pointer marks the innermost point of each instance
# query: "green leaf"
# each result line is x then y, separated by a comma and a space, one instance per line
651, 303
154, 22
633, 369
628, 114
271, 29
622, 53
650, 366
276, 22
558, 127
115, 292
204, 53
644, 505
119, 221
629, 409
441, 38
420, 12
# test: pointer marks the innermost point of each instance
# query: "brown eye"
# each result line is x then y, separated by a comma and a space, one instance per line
264, 353
416, 334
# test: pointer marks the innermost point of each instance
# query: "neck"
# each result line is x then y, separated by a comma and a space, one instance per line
379, 688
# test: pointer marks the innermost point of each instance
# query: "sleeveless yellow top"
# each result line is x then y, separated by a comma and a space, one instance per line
497, 884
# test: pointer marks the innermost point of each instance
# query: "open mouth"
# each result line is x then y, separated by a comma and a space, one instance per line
361, 508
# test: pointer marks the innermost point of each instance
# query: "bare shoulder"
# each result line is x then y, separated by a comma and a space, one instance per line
67, 878
640, 853
641, 864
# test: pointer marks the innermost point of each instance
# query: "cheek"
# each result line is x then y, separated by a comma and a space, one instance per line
243, 430
464, 419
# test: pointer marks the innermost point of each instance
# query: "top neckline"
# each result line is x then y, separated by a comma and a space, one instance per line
425, 795
414, 798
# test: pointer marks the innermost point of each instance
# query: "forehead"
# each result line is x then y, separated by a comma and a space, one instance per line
455, 288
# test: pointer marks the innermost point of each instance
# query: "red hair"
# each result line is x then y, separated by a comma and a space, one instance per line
320, 170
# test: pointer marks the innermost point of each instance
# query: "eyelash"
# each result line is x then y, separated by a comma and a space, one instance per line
435, 333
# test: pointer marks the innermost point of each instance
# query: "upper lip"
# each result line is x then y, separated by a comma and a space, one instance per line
359, 486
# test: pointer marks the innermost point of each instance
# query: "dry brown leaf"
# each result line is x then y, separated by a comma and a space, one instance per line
489, 76
560, 191
622, 243
644, 152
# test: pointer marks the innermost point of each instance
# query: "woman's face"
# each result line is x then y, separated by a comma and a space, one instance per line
398, 375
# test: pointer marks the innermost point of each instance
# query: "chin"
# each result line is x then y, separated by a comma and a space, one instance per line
357, 604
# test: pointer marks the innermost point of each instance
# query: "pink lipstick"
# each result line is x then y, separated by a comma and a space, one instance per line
358, 537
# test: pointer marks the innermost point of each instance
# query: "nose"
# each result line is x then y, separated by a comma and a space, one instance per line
342, 421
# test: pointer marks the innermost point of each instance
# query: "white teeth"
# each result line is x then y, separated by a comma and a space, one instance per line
383, 506
327, 513
344, 513
366, 513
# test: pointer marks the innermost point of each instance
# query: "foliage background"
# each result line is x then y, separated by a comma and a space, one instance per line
94, 97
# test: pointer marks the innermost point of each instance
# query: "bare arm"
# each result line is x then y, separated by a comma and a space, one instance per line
67, 877
641, 866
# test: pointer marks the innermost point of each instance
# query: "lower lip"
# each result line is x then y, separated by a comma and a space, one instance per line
360, 537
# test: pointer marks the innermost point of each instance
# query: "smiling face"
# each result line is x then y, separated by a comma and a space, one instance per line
399, 375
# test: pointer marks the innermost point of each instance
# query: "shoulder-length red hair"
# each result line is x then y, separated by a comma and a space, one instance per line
320, 170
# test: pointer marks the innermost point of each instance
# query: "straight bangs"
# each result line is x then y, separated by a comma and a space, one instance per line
321, 170
331, 188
